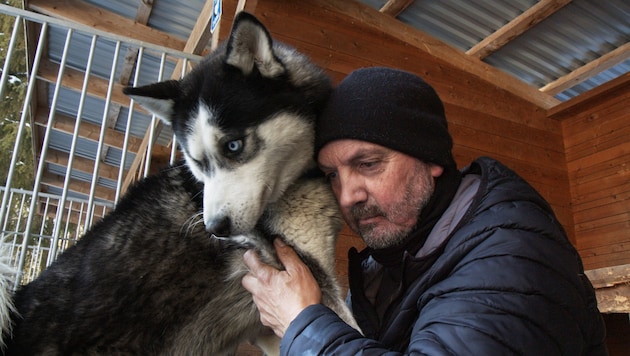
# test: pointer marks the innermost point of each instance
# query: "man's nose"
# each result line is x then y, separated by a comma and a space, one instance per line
351, 190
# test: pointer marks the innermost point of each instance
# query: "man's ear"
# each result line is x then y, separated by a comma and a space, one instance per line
158, 98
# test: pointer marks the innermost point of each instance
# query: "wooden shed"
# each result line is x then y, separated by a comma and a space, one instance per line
566, 131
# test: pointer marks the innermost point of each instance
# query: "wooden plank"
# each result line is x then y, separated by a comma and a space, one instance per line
611, 130
611, 233
76, 186
577, 76
615, 179
609, 276
589, 226
600, 213
614, 299
73, 79
612, 286
144, 11
512, 130
87, 130
82, 164
596, 200
99, 18
615, 166
395, 7
483, 141
597, 95
528, 19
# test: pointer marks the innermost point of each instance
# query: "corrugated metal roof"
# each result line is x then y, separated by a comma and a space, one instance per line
582, 32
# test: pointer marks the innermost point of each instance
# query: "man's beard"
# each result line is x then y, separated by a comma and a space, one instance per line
418, 192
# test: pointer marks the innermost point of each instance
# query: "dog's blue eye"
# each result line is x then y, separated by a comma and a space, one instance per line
234, 146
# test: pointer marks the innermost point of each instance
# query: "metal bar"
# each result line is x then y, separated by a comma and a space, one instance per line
44, 150
101, 138
75, 138
127, 128
147, 163
7, 60
35, 17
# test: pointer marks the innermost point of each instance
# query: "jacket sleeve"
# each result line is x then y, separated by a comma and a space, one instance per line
317, 330
505, 289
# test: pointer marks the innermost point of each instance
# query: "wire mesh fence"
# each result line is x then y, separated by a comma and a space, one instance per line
71, 141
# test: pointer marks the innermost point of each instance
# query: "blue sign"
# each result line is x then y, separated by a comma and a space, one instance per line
217, 9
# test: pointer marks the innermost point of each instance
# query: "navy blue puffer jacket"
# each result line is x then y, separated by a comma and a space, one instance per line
504, 281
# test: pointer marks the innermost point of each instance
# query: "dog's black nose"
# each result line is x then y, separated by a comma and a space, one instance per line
221, 226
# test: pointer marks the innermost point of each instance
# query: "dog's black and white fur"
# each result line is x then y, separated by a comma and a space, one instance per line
154, 277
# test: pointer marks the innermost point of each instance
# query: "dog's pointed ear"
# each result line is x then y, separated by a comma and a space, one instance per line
250, 44
158, 98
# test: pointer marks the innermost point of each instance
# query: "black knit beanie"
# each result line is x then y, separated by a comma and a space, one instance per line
391, 108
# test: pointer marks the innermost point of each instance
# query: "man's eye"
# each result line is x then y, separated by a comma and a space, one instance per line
331, 175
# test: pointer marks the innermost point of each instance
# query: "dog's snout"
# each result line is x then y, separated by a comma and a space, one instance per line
220, 226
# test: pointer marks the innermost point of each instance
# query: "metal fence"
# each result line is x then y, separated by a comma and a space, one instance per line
86, 141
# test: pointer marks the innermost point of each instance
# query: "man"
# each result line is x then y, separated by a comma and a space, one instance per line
470, 262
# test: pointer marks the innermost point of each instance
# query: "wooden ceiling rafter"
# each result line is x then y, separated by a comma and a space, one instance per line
197, 41
90, 15
78, 186
577, 76
82, 164
88, 131
131, 57
520, 24
395, 7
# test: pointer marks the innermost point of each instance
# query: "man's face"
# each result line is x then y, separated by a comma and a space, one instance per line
380, 191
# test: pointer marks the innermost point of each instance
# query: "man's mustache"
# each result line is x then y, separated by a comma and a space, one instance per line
364, 211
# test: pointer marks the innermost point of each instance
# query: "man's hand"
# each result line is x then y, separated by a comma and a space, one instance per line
280, 295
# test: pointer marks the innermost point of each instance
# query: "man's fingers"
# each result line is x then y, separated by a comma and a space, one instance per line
286, 254
289, 258
251, 260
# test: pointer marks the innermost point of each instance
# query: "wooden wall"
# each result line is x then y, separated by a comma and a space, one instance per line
596, 128
484, 119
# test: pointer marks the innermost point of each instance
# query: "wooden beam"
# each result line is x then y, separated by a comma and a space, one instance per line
98, 211
246, 5
607, 61
612, 287
77, 186
87, 130
516, 27
97, 17
81, 164
609, 276
395, 7
198, 40
144, 11
614, 88
73, 79
131, 57
199, 36
438, 49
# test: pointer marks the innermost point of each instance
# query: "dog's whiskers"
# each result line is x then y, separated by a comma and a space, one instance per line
191, 223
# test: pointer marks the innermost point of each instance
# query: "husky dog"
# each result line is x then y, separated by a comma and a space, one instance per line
154, 276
